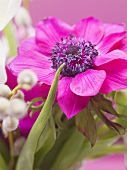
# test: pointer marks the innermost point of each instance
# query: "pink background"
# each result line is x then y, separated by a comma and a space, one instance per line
112, 162
71, 11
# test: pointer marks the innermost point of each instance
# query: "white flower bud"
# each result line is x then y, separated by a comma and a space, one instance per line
4, 90
10, 123
5, 132
4, 107
19, 95
18, 108
27, 79
18, 144
23, 18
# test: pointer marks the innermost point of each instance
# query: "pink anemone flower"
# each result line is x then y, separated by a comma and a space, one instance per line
93, 53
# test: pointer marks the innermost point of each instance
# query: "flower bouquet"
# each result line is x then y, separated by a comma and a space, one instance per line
62, 92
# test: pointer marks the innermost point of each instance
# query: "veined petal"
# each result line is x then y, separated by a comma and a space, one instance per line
88, 83
70, 103
35, 61
91, 29
123, 45
28, 45
8, 9
114, 55
113, 28
115, 79
108, 42
49, 31
116, 73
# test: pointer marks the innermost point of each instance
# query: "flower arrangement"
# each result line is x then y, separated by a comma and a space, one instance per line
62, 90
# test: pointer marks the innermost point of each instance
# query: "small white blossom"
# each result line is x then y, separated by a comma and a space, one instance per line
8, 8
27, 78
22, 18
18, 108
10, 123
4, 90
4, 107
3, 56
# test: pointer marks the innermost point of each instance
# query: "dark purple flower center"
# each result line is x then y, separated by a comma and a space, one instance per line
76, 53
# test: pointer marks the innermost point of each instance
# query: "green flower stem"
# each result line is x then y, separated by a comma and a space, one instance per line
9, 33
14, 91
12, 159
10, 134
3, 165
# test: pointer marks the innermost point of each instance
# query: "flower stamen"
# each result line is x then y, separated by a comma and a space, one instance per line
76, 53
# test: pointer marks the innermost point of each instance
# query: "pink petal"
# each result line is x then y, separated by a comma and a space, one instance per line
113, 28
88, 83
26, 124
116, 54
109, 41
49, 31
91, 29
123, 45
45, 90
70, 103
116, 75
27, 45
116, 80
31, 45
35, 61
12, 80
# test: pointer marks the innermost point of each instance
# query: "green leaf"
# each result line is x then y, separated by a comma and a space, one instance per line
57, 115
72, 147
27, 154
9, 33
75, 149
46, 142
65, 134
49, 127
4, 150
69, 151
117, 128
87, 125
111, 150
121, 98
101, 146
106, 105
3, 165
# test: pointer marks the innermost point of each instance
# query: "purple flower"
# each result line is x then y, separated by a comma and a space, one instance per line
94, 55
